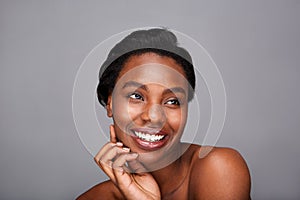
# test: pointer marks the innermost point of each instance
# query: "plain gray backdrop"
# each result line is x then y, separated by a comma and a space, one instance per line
255, 44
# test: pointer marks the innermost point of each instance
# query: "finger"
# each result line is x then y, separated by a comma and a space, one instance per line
122, 177
108, 169
104, 149
105, 162
113, 137
136, 166
121, 160
112, 154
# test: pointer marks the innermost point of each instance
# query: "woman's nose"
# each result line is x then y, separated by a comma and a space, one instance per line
154, 114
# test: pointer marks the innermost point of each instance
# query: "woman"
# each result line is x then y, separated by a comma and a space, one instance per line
145, 85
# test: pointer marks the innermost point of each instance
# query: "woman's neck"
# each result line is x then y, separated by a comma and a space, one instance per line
171, 177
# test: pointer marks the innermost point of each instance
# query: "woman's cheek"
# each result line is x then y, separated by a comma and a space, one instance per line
121, 114
176, 119
134, 111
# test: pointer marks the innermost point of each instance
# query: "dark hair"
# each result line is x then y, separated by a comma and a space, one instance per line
159, 41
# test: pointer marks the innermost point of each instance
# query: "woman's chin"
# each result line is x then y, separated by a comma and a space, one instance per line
155, 160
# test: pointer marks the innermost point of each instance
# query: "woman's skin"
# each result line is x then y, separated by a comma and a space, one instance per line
154, 100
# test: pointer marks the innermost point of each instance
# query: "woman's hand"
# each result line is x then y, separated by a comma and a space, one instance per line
112, 159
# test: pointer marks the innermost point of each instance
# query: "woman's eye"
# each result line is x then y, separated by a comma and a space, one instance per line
173, 102
136, 96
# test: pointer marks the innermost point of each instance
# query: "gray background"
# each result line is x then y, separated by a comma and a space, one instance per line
255, 44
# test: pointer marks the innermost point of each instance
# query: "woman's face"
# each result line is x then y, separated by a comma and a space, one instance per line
149, 105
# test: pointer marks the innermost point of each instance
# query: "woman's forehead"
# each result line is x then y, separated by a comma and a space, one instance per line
150, 58
152, 68
153, 73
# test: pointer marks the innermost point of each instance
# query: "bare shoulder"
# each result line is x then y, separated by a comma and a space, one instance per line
105, 190
221, 174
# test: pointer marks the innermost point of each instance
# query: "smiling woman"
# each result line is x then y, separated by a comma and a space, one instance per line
145, 85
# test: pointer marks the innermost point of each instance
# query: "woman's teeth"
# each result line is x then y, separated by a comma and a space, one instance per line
148, 137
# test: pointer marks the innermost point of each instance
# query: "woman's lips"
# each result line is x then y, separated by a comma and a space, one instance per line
150, 139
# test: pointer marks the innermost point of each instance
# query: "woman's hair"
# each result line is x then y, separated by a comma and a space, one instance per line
159, 41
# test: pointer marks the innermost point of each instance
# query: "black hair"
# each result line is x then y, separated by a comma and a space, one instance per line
159, 41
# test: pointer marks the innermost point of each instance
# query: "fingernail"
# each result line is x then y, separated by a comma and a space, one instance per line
126, 149
119, 144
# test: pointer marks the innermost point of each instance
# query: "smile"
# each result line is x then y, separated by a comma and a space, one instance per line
148, 137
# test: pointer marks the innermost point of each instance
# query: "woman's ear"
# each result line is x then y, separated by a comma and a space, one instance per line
109, 107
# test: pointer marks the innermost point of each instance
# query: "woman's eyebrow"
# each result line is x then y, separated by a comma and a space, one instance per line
134, 84
174, 90
144, 87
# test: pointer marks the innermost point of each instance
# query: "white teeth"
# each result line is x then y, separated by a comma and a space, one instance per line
148, 137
